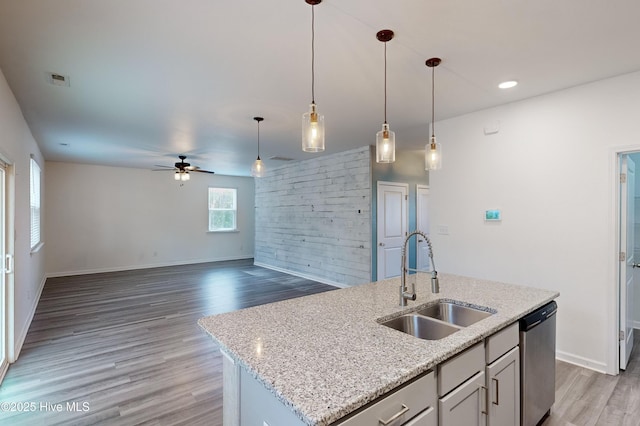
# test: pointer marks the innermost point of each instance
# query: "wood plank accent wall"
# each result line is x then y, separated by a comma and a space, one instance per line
313, 218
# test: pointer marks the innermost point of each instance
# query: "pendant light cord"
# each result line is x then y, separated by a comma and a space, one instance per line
433, 103
385, 82
313, 54
258, 140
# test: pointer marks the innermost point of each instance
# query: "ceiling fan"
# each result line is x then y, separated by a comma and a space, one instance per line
182, 169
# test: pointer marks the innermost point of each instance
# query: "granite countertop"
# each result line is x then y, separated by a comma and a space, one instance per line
326, 355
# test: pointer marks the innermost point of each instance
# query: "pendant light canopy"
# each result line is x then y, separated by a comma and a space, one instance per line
433, 150
258, 170
385, 138
312, 121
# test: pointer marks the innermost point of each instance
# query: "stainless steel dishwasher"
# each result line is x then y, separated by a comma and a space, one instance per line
537, 364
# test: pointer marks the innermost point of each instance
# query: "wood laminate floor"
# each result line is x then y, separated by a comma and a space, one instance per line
123, 348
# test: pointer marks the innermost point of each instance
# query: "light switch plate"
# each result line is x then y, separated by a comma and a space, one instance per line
443, 229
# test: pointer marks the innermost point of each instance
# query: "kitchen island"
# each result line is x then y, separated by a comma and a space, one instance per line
325, 356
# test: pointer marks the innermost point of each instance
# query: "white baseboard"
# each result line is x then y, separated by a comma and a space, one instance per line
301, 275
20, 338
580, 361
146, 266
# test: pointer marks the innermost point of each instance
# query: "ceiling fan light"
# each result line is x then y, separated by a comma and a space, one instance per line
185, 176
176, 176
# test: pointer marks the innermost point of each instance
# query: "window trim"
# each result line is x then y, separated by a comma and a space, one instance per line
235, 210
35, 167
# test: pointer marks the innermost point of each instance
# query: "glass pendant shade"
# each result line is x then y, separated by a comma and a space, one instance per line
257, 170
433, 155
185, 176
312, 130
176, 176
385, 145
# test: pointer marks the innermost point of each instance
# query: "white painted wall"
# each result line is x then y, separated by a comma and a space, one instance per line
17, 145
313, 218
551, 170
108, 218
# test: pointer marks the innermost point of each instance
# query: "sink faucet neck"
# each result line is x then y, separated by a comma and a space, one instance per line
435, 285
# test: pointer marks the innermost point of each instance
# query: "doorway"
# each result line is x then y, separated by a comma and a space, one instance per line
5, 270
392, 218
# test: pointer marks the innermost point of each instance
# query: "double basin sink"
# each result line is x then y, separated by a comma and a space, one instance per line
437, 321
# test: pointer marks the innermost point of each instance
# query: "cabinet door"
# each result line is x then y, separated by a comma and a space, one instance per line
466, 404
503, 382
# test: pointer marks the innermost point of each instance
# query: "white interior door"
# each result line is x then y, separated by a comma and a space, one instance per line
392, 227
627, 219
422, 224
5, 269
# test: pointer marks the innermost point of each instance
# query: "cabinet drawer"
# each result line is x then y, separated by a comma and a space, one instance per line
459, 368
410, 399
428, 417
502, 342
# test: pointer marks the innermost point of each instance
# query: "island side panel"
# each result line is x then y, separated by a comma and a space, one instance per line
259, 407
230, 391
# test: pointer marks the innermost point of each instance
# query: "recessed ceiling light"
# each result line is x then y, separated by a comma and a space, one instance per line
508, 84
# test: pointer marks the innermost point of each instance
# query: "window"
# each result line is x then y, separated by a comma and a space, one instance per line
222, 209
34, 201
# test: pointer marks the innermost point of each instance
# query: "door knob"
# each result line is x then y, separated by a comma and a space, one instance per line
381, 244
636, 265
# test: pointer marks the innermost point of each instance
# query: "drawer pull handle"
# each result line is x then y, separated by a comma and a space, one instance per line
395, 417
486, 400
497, 402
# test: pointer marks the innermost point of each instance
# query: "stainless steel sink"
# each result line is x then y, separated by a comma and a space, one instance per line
452, 313
421, 327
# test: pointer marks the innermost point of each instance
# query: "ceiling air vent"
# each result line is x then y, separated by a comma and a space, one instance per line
280, 158
58, 79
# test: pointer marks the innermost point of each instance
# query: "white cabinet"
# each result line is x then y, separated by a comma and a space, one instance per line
465, 404
481, 386
428, 417
503, 377
503, 382
412, 405
461, 387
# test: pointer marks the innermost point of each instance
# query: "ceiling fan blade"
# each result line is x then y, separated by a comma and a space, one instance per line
163, 170
164, 167
202, 171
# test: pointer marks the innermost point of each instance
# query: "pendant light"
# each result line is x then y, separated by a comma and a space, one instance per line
433, 150
385, 138
257, 170
312, 122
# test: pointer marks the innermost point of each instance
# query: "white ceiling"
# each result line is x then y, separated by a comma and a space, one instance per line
151, 79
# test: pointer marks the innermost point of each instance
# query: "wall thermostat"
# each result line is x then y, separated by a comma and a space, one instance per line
492, 215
